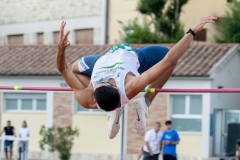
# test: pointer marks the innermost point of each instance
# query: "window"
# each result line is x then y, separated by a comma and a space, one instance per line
186, 112
84, 36
55, 37
40, 38
201, 35
81, 109
15, 39
25, 101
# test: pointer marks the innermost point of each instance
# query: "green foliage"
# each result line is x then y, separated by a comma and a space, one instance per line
164, 16
151, 7
229, 25
58, 139
135, 33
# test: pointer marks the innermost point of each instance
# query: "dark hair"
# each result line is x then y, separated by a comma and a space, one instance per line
168, 122
107, 97
25, 123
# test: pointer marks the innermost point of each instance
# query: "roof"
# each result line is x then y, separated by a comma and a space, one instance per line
39, 60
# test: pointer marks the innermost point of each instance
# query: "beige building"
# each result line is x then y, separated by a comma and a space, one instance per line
90, 22
125, 10
38, 21
201, 119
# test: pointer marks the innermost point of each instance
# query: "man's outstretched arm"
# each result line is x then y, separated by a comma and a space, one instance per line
62, 66
82, 94
137, 84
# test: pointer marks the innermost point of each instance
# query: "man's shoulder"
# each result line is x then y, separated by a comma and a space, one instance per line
165, 131
160, 132
149, 132
174, 131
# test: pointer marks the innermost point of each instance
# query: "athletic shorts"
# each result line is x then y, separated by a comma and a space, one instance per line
147, 56
8, 146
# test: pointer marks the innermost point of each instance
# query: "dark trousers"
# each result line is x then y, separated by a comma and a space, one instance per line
169, 157
146, 156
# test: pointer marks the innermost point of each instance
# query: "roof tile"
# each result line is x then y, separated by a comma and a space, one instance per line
40, 59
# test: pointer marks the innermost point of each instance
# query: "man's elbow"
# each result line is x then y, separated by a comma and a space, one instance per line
61, 69
171, 62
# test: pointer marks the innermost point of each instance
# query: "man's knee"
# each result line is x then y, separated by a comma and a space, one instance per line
74, 67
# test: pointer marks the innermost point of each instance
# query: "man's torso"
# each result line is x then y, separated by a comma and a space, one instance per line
170, 136
153, 140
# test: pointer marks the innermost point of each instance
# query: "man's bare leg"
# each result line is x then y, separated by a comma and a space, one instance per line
140, 106
11, 153
159, 83
6, 155
85, 80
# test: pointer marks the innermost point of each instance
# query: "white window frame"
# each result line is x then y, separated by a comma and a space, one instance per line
187, 111
34, 99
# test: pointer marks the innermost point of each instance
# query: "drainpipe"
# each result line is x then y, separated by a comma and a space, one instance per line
106, 23
124, 133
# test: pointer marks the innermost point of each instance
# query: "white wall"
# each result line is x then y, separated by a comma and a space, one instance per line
225, 73
228, 76
37, 81
32, 17
197, 83
14, 11
29, 81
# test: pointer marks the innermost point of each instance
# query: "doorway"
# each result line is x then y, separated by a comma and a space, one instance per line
222, 119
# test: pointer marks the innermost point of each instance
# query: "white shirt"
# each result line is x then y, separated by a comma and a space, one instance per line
153, 138
115, 64
23, 134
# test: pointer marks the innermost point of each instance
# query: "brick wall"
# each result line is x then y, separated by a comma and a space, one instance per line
62, 113
15, 11
157, 112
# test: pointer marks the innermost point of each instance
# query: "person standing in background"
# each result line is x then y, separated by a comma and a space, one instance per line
169, 141
152, 147
8, 142
23, 134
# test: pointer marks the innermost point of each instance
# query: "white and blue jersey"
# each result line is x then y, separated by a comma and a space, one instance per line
171, 136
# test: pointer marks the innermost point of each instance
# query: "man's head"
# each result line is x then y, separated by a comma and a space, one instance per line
24, 124
168, 125
8, 123
107, 97
157, 126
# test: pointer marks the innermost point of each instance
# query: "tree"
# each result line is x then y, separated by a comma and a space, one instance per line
229, 25
164, 16
135, 33
58, 139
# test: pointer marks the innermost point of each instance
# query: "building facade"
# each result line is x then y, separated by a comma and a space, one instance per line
38, 22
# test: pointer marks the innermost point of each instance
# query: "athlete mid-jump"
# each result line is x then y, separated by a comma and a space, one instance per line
110, 80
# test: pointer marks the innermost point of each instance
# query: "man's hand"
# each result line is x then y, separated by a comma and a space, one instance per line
63, 41
151, 153
203, 21
166, 142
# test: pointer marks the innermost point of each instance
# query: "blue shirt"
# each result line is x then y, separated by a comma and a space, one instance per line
171, 136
